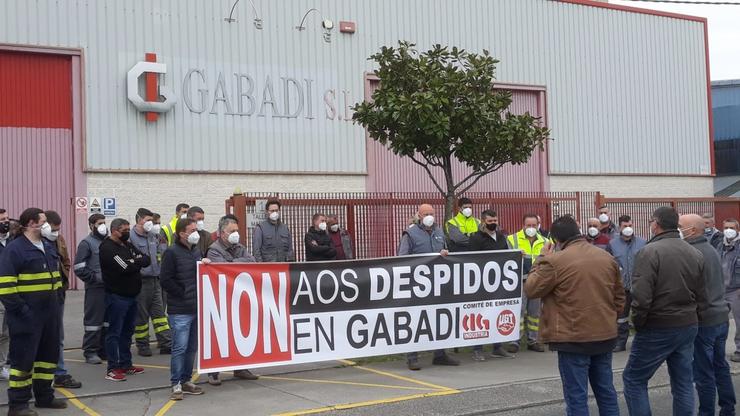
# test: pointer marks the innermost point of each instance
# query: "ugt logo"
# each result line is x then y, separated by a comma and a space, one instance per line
151, 104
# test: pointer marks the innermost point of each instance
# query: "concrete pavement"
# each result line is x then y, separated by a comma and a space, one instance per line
335, 387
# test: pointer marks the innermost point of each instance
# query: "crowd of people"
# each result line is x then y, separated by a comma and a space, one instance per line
584, 289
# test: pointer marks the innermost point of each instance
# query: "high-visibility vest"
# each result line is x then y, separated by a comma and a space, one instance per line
169, 230
531, 251
466, 225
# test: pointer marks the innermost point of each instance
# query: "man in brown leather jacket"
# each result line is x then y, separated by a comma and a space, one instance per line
582, 294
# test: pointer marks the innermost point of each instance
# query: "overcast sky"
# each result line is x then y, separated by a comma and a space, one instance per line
724, 33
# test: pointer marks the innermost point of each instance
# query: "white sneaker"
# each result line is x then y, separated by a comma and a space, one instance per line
176, 392
4, 374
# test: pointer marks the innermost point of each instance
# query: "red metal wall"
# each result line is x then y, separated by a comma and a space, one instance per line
390, 173
36, 135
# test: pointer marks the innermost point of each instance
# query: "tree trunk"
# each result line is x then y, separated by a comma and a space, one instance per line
450, 195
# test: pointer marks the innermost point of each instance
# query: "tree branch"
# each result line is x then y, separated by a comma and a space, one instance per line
429, 172
480, 175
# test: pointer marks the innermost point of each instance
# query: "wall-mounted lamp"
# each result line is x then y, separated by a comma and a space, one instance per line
257, 18
327, 24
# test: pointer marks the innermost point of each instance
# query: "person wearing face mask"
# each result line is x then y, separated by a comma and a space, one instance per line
228, 249
196, 214
594, 236
424, 238
729, 251
340, 238
711, 371
87, 268
150, 305
4, 337
53, 236
272, 240
668, 296
581, 291
624, 249
168, 231
179, 277
711, 233
30, 276
462, 226
319, 246
606, 226
530, 242
489, 237
121, 264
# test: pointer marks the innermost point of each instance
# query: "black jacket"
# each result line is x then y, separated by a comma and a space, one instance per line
717, 311
668, 283
482, 241
120, 265
178, 278
319, 246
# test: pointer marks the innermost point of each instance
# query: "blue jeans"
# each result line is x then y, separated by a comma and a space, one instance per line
184, 330
650, 349
61, 370
711, 371
576, 371
121, 313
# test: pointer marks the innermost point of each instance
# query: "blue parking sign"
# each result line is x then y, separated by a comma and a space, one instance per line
109, 207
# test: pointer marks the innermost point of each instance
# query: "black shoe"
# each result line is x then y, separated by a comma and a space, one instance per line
445, 360
53, 404
413, 365
512, 347
22, 412
93, 359
145, 351
620, 348
165, 351
67, 382
536, 347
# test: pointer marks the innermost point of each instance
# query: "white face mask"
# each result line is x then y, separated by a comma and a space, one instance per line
467, 212
708, 230
201, 225
274, 216
102, 229
47, 233
156, 228
428, 221
530, 232
183, 216
234, 237
730, 234
603, 218
322, 226
628, 231
680, 234
193, 238
334, 228
593, 232
148, 226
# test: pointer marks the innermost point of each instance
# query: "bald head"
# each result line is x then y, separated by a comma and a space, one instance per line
425, 209
691, 225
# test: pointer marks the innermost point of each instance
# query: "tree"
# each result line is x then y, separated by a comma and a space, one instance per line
440, 105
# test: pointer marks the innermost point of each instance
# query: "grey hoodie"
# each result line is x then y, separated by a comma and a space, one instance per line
718, 310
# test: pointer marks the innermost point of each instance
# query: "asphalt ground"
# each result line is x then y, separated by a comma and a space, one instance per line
527, 385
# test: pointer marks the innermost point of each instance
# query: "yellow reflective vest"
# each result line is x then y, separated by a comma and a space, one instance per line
531, 250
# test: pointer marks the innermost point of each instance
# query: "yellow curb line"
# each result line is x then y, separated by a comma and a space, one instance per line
368, 403
398, 377
349, 383
165, 408
73, 399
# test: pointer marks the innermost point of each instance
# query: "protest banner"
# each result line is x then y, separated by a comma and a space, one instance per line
264, 314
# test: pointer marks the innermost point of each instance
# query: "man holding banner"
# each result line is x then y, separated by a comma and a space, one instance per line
422, 238
581, 290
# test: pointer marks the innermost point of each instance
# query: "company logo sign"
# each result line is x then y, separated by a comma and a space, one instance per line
475, 326
152, 105
506, 322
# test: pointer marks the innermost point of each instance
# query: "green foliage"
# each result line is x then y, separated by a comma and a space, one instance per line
440, 105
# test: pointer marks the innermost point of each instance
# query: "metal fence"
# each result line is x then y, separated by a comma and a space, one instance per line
377, 220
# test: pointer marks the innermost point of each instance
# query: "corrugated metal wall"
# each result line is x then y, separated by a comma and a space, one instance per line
726, 108
36, 135
390, 173
626, 91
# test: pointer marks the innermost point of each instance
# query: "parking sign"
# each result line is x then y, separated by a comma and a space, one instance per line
109, 207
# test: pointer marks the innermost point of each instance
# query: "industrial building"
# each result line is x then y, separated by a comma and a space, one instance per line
726, 112
153, 103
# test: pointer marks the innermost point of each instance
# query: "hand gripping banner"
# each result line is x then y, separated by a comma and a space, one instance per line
264, 314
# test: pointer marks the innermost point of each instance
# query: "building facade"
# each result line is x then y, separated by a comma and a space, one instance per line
155, 103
